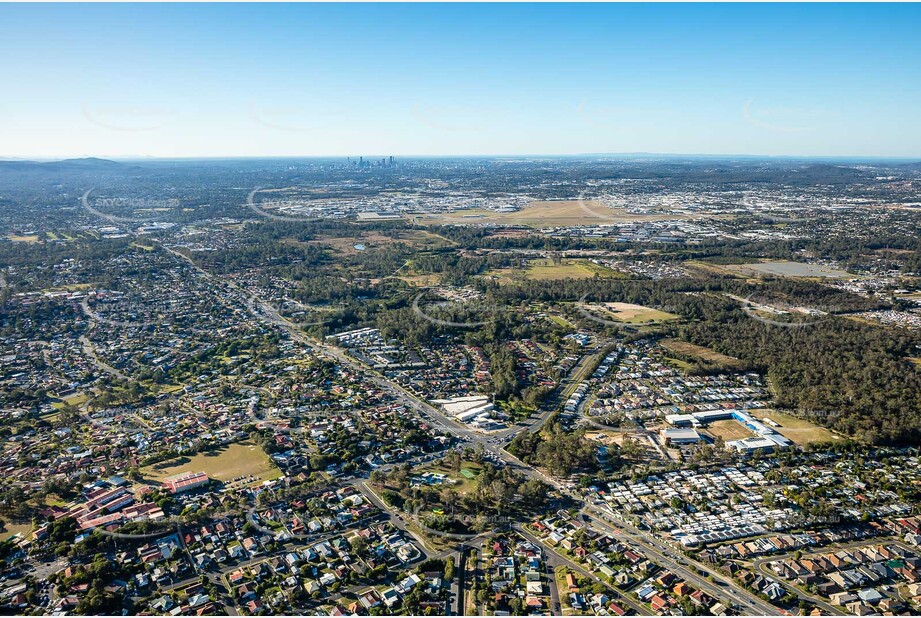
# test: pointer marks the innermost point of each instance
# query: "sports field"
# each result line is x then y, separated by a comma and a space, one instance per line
729, 429
240, 459
12, 529
74, 400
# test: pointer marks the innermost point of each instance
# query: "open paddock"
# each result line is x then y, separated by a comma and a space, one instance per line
546, 269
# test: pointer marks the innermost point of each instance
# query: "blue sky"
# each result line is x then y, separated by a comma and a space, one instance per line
453, 79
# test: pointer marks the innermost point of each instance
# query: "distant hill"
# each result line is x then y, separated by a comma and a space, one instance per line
727, 173
88, 164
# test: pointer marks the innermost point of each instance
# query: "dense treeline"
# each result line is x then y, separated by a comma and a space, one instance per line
799, 293
31, 266
496, 491
259, 253
841, 373
838, 372
561, 452
694, 298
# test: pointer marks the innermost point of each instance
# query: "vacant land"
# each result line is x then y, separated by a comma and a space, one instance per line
789, 269
561, 321
421, 280
545, 270
556, 213
729, 429
709, 268
756, 270
550, 270
224, 464
605, 436
679, 364
629, 313
420, 239
353, 244
798, 430
701, 353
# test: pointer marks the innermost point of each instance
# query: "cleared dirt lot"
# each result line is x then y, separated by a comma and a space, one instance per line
799, 430
707, 355
629, 313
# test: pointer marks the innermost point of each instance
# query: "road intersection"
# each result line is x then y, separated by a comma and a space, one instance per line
695, 573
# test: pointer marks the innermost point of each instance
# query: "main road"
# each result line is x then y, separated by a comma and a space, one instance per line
721, 588
553, 557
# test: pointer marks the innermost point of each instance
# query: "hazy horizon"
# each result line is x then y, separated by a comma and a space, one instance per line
269, 80
373, 156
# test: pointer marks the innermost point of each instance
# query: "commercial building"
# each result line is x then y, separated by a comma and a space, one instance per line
185, 482
676, 437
